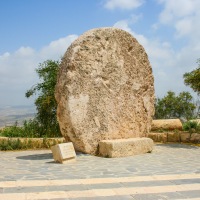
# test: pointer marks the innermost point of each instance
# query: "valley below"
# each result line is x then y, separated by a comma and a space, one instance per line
9, 115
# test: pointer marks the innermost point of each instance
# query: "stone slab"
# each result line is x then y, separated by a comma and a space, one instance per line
64, 152
125, 147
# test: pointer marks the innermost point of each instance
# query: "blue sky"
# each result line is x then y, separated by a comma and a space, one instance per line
36, 30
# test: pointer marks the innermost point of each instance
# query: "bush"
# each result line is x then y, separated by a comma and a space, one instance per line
27, 143
191, 126
30, 129
12, 131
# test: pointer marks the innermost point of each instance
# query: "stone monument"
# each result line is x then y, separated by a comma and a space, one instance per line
63, 153
105, 89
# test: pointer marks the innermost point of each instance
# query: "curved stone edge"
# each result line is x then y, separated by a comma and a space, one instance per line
70, 51
166, 124
125, 147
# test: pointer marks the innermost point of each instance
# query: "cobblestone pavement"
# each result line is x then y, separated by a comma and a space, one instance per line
171, 171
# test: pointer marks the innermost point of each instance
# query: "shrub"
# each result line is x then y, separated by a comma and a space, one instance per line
191, 126
30, 129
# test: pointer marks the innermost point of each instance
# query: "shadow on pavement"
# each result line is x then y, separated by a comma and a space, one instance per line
175, 145
36, 157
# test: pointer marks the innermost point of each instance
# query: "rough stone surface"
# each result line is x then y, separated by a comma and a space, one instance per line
125, 147
158, 137
185, 137
64, 152
105, 89
173, 137
166, 124
195, 137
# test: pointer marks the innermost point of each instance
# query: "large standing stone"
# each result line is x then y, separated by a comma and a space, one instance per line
105, 89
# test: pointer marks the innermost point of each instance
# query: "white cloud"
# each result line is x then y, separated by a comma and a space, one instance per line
18, 68
56, 48
177, 9
123, 24
123, 4
183, 27
168, 65
183, 16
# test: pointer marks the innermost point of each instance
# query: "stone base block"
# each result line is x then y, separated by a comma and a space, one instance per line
125, 147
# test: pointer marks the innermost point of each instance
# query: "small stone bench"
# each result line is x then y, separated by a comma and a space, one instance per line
125, 147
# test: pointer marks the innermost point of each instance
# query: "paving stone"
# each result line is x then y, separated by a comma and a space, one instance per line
186, 181
166, 159
146, 183
172, 195
149, 197
24, 189
57, 199
104, 186
191, 194
123, 197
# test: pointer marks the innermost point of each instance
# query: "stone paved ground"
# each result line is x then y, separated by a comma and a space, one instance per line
171, 171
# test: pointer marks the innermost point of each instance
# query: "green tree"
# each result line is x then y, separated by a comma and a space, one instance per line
192, 78
172, 106
45, 102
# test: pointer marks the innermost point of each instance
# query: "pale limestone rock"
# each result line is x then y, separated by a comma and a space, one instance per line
105, 89
162, 137
166, 124
63, 153
158, 137
185, 137
173, 137
195, 138
125, 147
153, 136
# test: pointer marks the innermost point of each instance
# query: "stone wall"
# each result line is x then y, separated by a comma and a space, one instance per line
175, 137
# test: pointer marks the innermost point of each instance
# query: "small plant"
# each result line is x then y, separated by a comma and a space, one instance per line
12, 131
191, 126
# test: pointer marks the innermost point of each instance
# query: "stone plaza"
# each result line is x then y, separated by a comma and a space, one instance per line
171, 171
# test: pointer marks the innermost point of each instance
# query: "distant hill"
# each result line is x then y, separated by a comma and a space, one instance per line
10, 114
